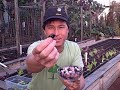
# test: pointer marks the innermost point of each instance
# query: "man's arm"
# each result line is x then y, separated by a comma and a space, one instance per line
43, 55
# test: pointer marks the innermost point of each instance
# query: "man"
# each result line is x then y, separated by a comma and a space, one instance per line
42, 55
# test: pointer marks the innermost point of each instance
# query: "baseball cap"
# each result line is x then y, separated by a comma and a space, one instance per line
55, 13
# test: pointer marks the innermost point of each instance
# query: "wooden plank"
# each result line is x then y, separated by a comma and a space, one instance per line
110, 81
17, 27
109, 73
111, 69
98, 86
95, 84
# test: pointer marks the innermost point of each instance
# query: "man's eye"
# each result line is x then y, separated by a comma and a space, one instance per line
61, 27
50, 27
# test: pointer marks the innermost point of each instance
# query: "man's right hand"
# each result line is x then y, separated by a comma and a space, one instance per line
46, 53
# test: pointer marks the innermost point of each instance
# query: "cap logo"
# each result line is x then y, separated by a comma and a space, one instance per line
59, 9
58, 14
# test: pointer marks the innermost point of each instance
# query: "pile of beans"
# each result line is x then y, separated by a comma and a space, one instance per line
70, 72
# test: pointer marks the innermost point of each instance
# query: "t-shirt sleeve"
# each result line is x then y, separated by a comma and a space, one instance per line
77, 57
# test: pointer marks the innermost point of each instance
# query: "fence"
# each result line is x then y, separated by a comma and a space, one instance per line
29, 22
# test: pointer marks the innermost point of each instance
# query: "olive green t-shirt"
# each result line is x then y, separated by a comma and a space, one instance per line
71, 55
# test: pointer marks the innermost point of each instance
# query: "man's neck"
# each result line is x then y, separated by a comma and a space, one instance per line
60, 48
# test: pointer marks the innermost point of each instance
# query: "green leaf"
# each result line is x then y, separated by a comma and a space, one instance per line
91, 54
103, 58
107, 55
20, 72
89, 66
110, 53
95, 51
94, 62
53, 69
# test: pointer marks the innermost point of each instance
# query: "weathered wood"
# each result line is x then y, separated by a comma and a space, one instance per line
42, 14
81, 22
13, 48
95, 86
90, 21
17, 27
110, 80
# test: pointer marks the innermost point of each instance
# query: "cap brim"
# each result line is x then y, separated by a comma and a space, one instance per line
56, 17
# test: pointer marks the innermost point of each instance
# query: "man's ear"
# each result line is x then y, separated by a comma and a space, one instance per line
68, 30
44, 32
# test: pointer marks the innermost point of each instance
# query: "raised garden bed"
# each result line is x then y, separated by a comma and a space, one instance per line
99, 54
103, 78
107, 71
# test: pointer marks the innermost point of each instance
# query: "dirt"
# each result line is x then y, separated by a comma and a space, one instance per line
115, 85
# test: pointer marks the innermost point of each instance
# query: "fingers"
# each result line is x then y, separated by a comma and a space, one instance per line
51, 59
66, 82
48, 50
42, 46
52, 62
71, 85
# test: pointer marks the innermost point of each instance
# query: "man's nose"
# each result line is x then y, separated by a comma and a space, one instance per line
56, 32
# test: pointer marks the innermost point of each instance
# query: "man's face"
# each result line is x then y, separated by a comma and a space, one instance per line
60, 29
